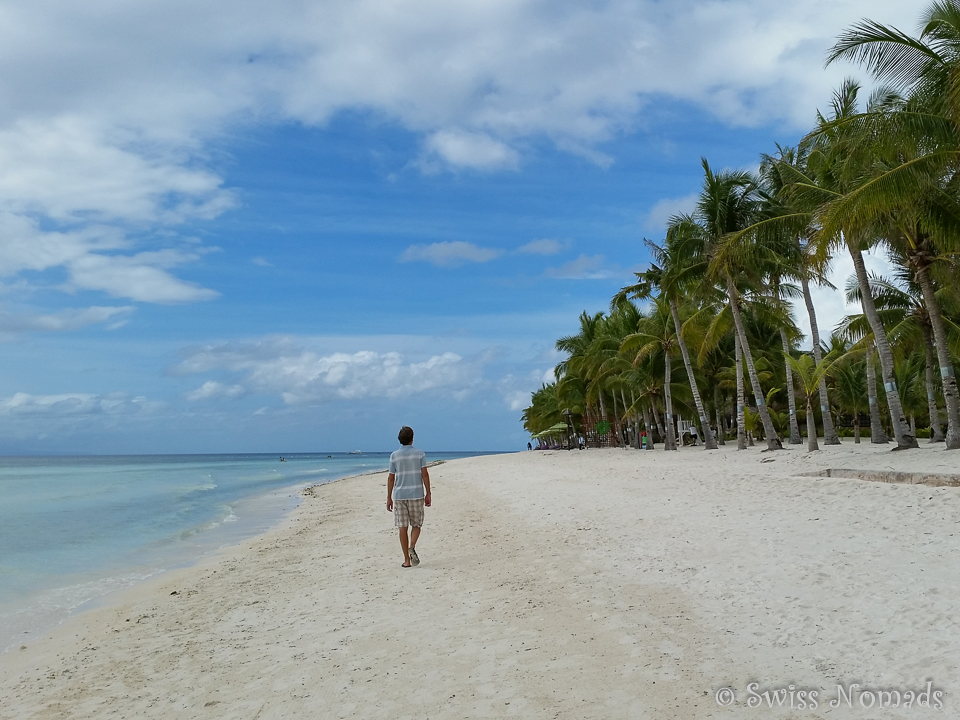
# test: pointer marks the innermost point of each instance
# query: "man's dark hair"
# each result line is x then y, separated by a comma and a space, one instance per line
406, 435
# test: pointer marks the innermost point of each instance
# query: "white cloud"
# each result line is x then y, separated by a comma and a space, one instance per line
109, 108
660, 214
92, 262
212, 390
543, 246
25, 247
583, 268
470, 150
449, 254
518, 390
262, 262
517, 400
140, 277
65, 169
64, 320
74, 404
282, 366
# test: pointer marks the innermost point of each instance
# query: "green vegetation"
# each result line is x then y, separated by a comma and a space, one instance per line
709, 319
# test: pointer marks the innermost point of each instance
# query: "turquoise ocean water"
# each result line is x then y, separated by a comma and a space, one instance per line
74, 529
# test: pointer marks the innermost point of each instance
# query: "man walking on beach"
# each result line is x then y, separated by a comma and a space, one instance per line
408, 492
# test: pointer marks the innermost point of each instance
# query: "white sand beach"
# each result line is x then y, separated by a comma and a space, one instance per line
593, 584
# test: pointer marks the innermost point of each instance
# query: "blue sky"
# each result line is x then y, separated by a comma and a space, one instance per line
231, 227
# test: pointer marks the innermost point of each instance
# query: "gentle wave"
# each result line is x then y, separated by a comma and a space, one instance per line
52, 607
196, 488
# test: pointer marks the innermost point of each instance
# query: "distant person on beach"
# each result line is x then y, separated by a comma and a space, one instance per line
408, 492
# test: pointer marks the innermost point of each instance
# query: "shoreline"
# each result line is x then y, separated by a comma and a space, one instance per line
601, 583
37, 613
95, 589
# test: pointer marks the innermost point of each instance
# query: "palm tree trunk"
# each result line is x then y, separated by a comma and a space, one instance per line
830, 436
627, 420
592, 436
616, 420
791, 394
811, 427
856, 426
636, 417
671, 439
603, 414
661, 428
716, 409
877, 434
901, 430
773, 442
615, 425
707, 434
948, 379
741, 399
936, 432
647, 423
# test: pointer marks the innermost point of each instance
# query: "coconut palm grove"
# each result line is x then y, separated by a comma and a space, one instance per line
703, 347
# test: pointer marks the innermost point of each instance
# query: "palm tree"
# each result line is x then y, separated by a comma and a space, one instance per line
877, 433
886, 177
910, 379
904, 312
925, 66
648, 389
617, 369
718, 332
832, 170
586, 353
915, 136
788, 371
669, 278
810, 374
856, 330
850, 380
913, 226
715, 361
546, 409
656, 336
785, 226
727, 204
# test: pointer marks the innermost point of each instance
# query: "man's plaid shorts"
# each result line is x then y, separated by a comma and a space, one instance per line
408, 512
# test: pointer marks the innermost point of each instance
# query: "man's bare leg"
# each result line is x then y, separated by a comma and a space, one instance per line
414, 534
405, 544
